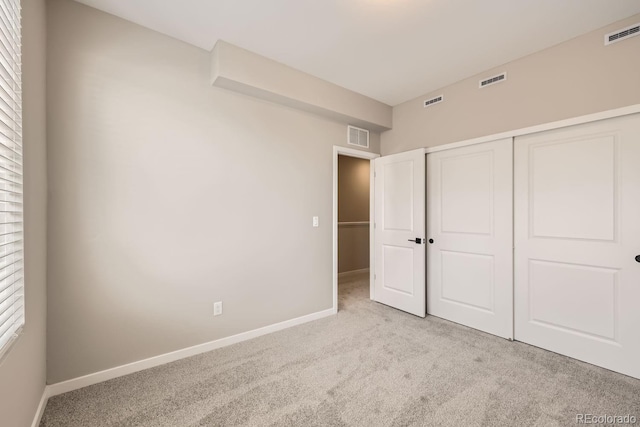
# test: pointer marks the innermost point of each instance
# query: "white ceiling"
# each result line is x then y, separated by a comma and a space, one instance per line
390, 50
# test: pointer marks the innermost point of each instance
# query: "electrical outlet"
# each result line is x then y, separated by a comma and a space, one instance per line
217, 308
316, 222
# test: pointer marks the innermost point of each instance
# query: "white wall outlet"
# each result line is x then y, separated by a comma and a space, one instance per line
316, 222
217, 308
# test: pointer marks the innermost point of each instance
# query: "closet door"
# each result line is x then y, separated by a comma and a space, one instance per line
470, 251
577, 241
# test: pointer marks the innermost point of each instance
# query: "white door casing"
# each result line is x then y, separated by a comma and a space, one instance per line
577, 233
400, 218
470, 221
345, 151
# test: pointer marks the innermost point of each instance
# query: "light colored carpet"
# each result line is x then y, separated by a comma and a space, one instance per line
369, 365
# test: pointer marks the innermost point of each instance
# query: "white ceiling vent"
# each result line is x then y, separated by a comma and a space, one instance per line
357, 136
622, 34
436, 100
493, 80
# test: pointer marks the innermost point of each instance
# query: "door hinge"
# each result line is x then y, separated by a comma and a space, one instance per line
374, 277
374, 174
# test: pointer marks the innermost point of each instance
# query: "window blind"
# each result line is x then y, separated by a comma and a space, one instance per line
11, 221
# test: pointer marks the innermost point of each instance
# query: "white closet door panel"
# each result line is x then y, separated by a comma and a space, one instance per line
577, 233
469, 216
399, 222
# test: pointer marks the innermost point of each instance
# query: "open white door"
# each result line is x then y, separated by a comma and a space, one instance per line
400, 231
470, 251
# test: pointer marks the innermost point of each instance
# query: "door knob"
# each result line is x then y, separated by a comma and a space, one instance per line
637, 258
431, 241
417, 240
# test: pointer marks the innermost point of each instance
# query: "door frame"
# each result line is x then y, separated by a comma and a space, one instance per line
350, 152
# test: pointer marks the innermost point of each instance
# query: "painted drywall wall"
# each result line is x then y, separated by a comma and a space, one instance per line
353, 189
575, 78
353, 206
22, 372
249, 73
353, 247
167, 194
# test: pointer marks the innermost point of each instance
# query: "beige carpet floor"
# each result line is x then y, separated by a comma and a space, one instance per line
369, 365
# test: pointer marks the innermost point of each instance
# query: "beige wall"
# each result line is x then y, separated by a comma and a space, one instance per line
167, 194
22, 373
353, 248
353, 206
353, 189
578, 77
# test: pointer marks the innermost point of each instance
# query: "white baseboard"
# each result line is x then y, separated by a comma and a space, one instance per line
41, 406
352, 273
119, 371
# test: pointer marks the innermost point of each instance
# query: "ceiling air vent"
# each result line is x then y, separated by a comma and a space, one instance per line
493, 80
436, 100
622, 34
357, 136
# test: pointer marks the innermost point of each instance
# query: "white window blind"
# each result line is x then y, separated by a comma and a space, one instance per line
11, 225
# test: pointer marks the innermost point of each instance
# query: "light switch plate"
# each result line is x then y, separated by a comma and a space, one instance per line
217, 308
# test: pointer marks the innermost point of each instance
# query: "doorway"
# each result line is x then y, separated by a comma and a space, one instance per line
353, 187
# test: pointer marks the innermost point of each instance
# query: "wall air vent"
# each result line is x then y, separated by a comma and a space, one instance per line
357, 136
493, 80
436, 100
622, 34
